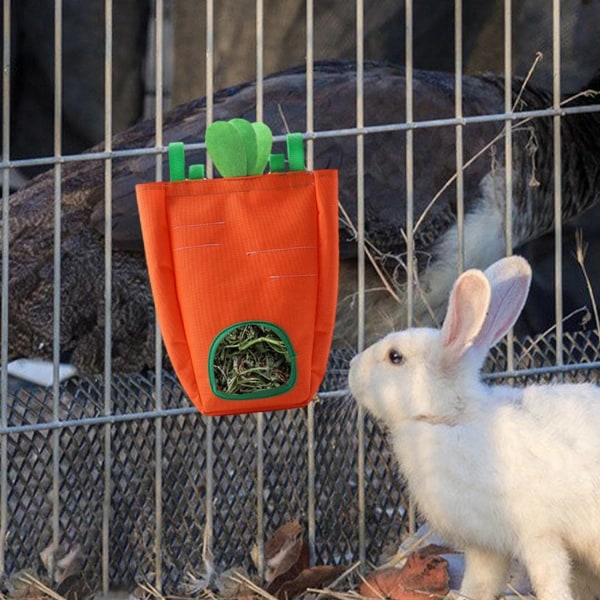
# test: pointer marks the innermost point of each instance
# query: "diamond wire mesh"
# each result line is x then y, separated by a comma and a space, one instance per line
579, 348
133, 518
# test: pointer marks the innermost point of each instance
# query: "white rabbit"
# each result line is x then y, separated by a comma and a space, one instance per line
499, 471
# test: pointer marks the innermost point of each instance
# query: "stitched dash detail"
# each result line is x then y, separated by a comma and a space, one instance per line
292, 276
268, 250
209, 224
196, 246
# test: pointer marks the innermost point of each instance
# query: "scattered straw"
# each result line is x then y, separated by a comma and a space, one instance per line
152, 592
580, 253
242, 579
330, 590
369, 254
42, 587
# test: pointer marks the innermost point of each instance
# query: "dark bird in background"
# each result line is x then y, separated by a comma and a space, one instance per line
435, 240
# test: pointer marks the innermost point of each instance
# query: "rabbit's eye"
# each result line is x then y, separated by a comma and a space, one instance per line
395, 357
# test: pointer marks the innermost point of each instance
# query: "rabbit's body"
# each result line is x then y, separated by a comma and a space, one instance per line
499, 471
539, 455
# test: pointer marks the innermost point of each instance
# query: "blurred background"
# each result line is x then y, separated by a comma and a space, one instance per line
32, 50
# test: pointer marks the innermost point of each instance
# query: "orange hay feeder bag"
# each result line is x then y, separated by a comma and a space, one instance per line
244, 273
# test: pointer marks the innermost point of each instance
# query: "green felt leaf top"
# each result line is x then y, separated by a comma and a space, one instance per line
238, 147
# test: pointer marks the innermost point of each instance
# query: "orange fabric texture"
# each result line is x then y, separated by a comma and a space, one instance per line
226, 251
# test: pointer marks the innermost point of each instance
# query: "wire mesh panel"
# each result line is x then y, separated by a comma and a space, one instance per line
184, 492
113, 467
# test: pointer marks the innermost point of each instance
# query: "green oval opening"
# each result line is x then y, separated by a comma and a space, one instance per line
249, 360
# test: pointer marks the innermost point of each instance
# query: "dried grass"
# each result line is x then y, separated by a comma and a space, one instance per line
251, 358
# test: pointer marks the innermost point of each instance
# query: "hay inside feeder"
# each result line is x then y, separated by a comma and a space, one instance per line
251, 358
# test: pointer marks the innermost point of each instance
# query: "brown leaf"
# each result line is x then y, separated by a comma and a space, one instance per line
315, 577
286, 553
281, 537
421, 577
302, 562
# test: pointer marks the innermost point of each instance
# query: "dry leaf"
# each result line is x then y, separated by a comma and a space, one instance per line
301, 563
285, 551
315, 577
421, 577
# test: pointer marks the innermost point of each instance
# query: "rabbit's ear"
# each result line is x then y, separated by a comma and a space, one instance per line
467, 307
509, 280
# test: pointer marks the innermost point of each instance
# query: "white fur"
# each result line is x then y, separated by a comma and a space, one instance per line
501, 472
484, 242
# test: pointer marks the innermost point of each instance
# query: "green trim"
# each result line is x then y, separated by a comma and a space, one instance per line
277, 163
197, 172
295, 151
267, 393
176, 154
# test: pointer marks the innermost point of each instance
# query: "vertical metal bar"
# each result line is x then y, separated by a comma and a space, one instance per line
310, 61
508, 108
312, 489
409, 164
208, 526
6, 72
310, 414
260, 487
409, 161
207, 551
55, 494
508, 152
260, 420
57, 192
360, 218
210, 66
458, 92
360, 181
260, 44
158, 423
106, 509
556, 94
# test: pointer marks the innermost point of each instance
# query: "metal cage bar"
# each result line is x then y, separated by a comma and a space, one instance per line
310, 412
6, 88
557, 171
360, 212
159, 10
459, 132
508, 149
260, 420
56, 308
108, 117
305, 425
208, 540
410, 186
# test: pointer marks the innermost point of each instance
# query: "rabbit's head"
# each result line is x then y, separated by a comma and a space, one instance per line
432, 374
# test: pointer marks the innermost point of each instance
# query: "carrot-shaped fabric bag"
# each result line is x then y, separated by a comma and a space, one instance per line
244, 272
